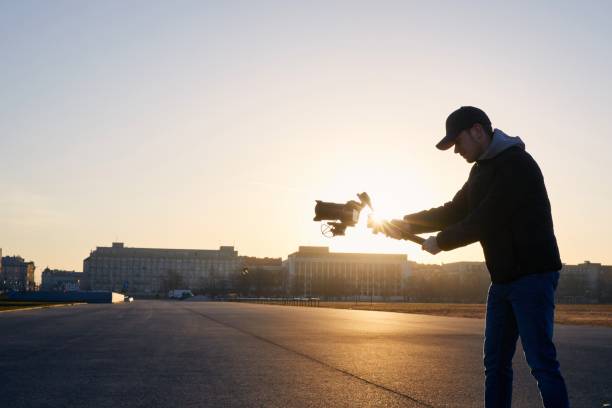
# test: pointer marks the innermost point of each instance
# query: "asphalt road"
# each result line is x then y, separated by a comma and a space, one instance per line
201, 354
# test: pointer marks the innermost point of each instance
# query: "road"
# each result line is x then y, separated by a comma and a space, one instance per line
209, 354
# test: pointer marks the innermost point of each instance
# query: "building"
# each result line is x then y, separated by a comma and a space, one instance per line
605, 292
456, 282
463, 282
152, 271
588, 282
262, 277
55, 279
17, 274
466, 267
271, 264
314, 271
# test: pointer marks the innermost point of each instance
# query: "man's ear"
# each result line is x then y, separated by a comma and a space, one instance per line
479, 133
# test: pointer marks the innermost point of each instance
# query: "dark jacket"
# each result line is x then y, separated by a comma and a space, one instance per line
504, 205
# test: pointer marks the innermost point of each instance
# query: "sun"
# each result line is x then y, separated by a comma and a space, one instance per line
375, 220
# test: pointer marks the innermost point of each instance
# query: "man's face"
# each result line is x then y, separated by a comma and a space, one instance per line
468, 145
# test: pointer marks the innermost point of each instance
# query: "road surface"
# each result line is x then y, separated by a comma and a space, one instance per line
201, 354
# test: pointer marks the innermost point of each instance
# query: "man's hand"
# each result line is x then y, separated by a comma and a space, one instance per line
431, 245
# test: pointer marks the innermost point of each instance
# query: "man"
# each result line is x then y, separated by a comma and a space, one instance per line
504, 206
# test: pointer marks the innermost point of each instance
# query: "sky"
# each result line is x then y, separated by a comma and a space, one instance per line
195, 124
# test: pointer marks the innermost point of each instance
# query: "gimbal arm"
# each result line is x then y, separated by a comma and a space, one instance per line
396, 229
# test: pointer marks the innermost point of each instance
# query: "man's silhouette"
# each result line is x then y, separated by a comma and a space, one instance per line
504, 206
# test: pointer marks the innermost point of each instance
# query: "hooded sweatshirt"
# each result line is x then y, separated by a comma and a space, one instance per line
499, 143
504, 206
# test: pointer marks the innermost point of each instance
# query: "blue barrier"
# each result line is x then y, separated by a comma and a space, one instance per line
75, 296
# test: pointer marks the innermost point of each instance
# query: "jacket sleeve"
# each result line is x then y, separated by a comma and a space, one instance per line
436, 219
510, 187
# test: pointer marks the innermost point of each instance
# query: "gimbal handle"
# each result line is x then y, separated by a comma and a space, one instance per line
414, 238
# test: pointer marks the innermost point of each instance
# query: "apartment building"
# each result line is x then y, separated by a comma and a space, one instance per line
315, 271
151, 271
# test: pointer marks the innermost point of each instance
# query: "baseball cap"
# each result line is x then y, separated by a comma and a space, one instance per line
463, 118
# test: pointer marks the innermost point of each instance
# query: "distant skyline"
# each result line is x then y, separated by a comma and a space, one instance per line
205, 123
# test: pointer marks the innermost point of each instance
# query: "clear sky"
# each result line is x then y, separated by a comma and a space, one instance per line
184, 124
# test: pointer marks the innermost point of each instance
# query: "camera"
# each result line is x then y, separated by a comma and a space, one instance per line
340, 215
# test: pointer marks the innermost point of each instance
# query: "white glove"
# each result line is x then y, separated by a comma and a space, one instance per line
431, 245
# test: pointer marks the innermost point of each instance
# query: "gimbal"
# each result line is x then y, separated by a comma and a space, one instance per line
341, 216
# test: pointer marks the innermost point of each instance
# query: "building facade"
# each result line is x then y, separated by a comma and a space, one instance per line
456, 282
17, 274
262, 277
468, 282
55, 279
588, 282
314, 271
153, 271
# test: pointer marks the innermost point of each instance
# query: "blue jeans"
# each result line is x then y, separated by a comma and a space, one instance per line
523, 308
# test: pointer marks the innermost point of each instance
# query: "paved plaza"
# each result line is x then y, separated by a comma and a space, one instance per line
209, 354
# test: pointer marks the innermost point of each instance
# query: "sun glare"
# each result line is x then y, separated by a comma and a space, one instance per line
375, 220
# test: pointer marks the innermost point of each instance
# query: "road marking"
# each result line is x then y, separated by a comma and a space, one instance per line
321, 362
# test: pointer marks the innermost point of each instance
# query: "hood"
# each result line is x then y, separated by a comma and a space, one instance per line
499, 143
